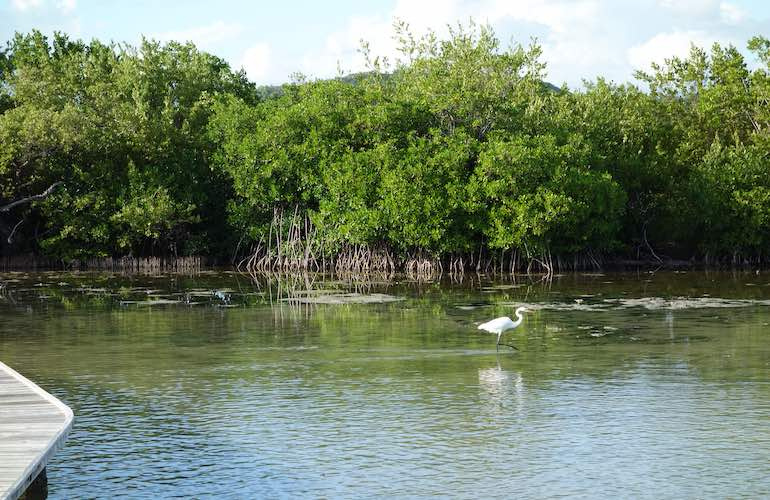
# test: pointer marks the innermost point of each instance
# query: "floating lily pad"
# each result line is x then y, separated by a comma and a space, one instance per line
157, 302
655, 303
345, 298
503, 287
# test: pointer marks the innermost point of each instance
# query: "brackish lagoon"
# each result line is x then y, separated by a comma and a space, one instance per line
625, 385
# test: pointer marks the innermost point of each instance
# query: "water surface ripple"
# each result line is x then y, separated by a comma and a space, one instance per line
629, 396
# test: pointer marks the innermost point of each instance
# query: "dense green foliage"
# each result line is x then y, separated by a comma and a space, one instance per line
125, 130
458, 147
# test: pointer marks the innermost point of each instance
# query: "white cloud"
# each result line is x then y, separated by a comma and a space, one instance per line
580, 38
569, 24
666, 45
342, 48
574, 33
25, 5
559, 16
66, 6
691, 7
256, 62
204, 37
731, 13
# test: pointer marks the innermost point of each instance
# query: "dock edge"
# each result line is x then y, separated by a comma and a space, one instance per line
38, 464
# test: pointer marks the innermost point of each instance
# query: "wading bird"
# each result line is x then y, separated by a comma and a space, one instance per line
499, 325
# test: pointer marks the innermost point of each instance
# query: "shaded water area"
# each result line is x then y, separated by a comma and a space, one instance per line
625, 385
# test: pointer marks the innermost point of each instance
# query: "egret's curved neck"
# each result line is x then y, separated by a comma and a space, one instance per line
519, 317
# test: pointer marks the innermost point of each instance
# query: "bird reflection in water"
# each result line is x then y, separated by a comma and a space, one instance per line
499, 388
669, 321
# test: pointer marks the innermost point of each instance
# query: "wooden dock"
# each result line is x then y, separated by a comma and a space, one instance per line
33, 426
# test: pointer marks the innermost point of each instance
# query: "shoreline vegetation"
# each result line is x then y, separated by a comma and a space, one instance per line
458, 157
411, 269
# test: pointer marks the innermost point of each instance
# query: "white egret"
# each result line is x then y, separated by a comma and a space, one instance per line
502, 324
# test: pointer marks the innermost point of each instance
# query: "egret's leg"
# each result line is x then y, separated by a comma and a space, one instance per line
498, 341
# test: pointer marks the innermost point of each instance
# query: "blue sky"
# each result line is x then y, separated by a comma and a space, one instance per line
272, 40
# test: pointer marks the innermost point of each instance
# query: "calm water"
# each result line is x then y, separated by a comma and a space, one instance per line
648, 385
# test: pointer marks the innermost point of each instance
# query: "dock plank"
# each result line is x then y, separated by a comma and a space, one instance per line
33, 426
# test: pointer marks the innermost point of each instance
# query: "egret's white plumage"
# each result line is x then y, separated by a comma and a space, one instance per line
504, 323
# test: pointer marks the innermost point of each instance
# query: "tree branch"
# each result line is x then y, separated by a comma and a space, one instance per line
10, 236
29, 199
644, 235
